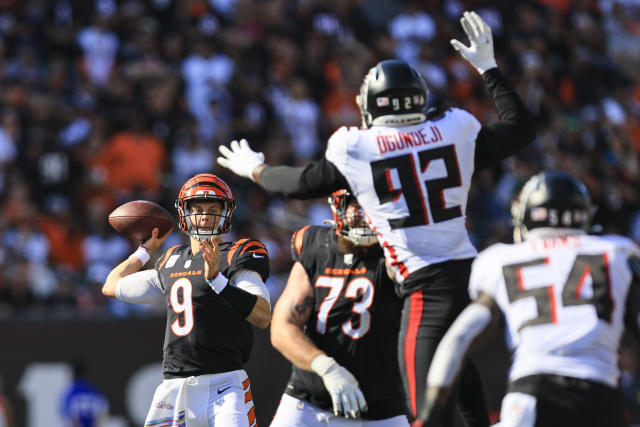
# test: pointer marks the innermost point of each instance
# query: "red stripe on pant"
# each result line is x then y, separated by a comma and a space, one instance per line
415, 316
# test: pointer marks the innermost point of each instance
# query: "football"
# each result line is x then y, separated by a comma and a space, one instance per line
137, 219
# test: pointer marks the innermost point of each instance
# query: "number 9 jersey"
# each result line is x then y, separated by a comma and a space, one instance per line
204, 334
564, 300
355, 320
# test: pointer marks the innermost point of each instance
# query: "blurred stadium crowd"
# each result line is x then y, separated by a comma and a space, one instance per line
106, 101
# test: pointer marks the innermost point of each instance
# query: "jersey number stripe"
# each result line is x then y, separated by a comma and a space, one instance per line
411, 188
596, 266
181, 303
360, 286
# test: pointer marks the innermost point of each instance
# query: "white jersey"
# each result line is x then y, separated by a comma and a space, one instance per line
413, 184
564, 302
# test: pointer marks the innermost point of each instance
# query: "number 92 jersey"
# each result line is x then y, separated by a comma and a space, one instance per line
355, 320
564, 302
204, 335
413, 184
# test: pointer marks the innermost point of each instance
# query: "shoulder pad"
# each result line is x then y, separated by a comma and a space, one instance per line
248, 254
297, 239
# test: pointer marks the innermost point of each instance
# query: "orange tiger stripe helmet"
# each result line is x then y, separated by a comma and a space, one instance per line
205, 187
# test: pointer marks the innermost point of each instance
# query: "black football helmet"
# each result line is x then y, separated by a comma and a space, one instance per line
393, 93
552, 199
354, 227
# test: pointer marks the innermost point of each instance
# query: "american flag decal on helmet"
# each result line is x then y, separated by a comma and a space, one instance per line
382, 101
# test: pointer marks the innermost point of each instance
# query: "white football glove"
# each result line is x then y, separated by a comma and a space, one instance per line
480, 53
241, 159
342, 387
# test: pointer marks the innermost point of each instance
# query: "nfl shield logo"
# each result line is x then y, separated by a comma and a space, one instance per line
348, 259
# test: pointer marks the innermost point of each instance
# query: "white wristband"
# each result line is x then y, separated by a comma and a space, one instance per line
142, 254
218, 282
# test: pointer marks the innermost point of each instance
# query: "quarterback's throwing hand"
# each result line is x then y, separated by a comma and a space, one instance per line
342, 387
240, 158
480, 53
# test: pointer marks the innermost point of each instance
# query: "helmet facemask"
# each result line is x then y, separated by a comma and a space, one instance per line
349, 219
193, 220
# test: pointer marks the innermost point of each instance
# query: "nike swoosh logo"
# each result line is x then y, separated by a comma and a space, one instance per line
257, 256
223, 390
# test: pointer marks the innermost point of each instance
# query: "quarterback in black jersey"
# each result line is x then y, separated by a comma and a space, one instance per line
337, 321
214, 292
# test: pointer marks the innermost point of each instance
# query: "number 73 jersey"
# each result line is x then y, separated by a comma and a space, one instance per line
413, 184
564, 302
355, 320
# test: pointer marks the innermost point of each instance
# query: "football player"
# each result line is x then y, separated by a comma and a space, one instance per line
335, 322
565, 297
411, 171
214, 292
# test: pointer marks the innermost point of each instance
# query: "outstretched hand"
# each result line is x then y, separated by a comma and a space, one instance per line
209, 248
480, 52
240, 158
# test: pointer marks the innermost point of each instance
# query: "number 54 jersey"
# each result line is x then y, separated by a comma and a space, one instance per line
564, 302
413, 184
355, 320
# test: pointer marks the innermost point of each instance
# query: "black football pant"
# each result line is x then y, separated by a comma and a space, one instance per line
433, 298
565, 401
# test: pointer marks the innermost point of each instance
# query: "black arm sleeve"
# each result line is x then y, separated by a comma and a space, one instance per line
239, 299
515, 130
317, 179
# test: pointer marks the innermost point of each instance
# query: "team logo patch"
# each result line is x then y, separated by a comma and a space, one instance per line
172, 261
187, 263
348, 259
382, 101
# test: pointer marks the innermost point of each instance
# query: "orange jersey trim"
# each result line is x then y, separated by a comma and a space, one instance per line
298, 239
233, 249
261, 249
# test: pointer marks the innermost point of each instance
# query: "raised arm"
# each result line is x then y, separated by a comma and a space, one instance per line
134, 263
515, 130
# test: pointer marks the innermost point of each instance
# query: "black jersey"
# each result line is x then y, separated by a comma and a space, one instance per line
204, 334
355, 320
